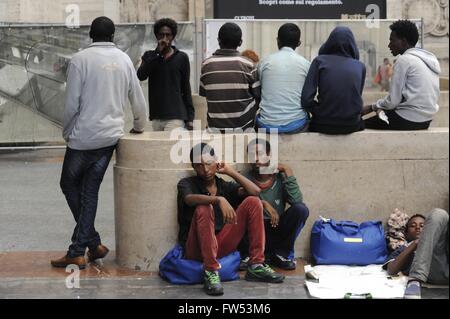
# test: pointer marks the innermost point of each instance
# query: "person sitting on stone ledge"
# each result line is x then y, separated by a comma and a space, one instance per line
338, 77
282, 76
214, 215
230, 84
425, 259
414, 92
282, 226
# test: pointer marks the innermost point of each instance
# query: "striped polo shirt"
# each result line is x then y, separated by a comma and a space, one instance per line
232, 89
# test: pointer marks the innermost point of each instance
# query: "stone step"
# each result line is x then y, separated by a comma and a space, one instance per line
441, 118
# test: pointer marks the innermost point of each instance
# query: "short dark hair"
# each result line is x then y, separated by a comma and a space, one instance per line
289, 35
165, 22
102, 28
412, 217
230, 35
405, 29
201, 149
259, 141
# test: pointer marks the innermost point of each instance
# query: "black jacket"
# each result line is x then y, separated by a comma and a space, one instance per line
169, 89
195, 186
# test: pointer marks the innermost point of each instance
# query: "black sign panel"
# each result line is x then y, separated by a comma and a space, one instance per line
299, 9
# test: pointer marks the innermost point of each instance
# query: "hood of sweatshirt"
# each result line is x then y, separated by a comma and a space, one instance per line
341, 42
428, 58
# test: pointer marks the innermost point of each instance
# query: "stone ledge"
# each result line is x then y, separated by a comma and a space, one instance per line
134, 151
441, 119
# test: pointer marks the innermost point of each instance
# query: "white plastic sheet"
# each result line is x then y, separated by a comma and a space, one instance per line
337, 281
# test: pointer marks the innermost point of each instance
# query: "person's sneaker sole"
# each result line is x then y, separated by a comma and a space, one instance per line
279, 264
214, 293
284, 267
412, 297
274, 281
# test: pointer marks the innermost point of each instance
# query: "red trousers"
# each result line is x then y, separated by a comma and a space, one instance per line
204, 245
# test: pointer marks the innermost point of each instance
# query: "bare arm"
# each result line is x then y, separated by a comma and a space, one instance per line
395, 266
248, 187
195, 200
274, 217
287, 170
228, 212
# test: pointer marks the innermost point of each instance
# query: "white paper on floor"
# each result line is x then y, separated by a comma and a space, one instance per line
336, 281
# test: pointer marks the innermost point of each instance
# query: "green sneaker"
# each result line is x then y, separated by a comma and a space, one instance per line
211, 283
263, 273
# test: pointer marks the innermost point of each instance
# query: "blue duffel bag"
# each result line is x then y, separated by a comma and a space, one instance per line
348, 243
177, 270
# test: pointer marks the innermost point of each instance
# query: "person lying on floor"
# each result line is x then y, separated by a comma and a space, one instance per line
211, 227
282, 226
400, 260
428, 261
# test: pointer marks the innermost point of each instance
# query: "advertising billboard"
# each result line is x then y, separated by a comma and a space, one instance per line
299, 9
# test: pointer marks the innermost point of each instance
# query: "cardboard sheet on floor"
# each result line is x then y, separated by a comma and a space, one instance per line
337, 281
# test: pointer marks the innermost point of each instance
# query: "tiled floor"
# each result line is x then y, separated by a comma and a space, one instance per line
29, 275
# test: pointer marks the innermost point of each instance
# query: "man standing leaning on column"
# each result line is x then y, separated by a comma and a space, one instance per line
100, 80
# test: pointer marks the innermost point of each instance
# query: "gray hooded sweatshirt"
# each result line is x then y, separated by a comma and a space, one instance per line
414, 92
100, 80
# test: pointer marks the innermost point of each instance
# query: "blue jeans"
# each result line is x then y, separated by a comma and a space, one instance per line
430, 263
82, 174
295, 127
281, 240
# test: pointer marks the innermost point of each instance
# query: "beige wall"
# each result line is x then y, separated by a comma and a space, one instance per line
54, 11
151, 10
434, 12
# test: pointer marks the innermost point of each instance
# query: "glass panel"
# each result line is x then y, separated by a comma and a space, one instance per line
33, 65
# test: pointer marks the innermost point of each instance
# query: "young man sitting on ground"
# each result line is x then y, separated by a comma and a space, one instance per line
213, 219
282, 226
425, 259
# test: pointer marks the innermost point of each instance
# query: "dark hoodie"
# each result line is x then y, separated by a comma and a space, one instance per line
338, 76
